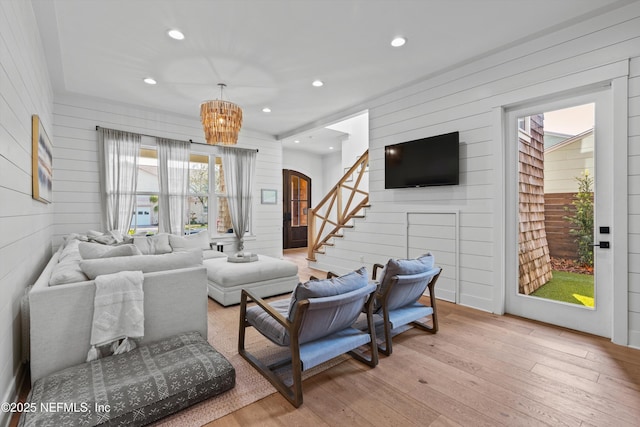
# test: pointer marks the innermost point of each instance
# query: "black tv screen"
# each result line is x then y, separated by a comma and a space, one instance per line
423, 162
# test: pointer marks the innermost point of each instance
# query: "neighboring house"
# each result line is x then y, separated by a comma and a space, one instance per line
565, 159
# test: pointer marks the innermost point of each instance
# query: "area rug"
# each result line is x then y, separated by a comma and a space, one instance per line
250, 385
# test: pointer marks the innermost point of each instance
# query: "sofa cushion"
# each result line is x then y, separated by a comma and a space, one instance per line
394, 267
153, 245
212, 254
327, 287
145, 263
71, 251
96, 250
193, 241
68, 270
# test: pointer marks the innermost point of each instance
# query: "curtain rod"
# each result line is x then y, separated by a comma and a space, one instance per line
191, 141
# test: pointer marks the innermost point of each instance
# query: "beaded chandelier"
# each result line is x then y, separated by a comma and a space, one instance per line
221, 120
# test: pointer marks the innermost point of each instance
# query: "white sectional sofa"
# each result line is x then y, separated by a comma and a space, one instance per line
60, 316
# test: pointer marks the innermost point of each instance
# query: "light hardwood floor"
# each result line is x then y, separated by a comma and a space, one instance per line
480, 369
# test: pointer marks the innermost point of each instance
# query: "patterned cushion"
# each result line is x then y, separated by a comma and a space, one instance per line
140, 386
327, 287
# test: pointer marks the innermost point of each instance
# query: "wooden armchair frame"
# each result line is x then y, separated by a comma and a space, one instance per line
382, 298
294, 393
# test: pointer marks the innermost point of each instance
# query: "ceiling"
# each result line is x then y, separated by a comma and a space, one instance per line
269, 51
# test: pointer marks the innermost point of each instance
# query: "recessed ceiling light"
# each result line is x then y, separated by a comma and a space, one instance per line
317, 83
149, 81
266, 110
330, 148
297, 141
398, 41
175, 34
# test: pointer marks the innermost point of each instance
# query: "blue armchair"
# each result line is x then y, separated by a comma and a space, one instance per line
315, 324
402, 284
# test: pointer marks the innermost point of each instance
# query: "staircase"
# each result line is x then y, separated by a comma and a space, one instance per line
344, 202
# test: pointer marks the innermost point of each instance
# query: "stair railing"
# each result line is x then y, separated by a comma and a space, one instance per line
338, 207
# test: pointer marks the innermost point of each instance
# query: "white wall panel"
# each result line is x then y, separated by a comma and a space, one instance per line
25, 224
77, 190
462, 100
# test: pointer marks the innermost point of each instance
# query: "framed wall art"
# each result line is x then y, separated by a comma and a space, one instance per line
41, 162
269, 197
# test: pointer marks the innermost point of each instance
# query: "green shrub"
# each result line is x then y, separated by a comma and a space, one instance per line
582, 219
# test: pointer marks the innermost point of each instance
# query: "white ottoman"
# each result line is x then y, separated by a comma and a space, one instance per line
266, 277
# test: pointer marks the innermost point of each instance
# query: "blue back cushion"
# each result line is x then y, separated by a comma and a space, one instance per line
395, 267
327, 288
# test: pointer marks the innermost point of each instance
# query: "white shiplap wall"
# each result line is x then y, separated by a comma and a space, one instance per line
77, 192
462, 100
25, 224
634, 202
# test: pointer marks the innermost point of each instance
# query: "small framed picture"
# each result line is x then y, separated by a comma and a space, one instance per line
269, 197
41, 162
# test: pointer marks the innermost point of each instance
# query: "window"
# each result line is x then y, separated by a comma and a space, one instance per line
524, 124
198, 206
145, 212
299, 201
207, 204
223, 217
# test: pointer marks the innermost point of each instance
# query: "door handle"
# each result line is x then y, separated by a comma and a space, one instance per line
602, 245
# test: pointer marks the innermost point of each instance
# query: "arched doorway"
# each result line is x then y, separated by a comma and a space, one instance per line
297, 201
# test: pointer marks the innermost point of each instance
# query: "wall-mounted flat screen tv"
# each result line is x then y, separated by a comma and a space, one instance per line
423, 162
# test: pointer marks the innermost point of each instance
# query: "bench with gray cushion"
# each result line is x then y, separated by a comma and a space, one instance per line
139, 387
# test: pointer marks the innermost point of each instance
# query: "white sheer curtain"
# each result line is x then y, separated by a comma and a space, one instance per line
173, 177
239, 166
120, 152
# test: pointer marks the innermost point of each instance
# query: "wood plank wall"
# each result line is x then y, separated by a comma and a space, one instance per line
634, 201
533, 251
561, 243
25, 224
77, 193
464, 99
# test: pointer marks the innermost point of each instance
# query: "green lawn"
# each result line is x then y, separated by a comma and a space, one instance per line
573, 288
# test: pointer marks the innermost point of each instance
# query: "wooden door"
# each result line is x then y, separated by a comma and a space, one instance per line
297, 200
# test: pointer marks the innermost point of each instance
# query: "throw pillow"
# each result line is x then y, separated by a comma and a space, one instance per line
327, 287
193, 241
70, 252
153, 245
116, 234
145, 263
67, 271
394, 267
96, 250
122, 250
